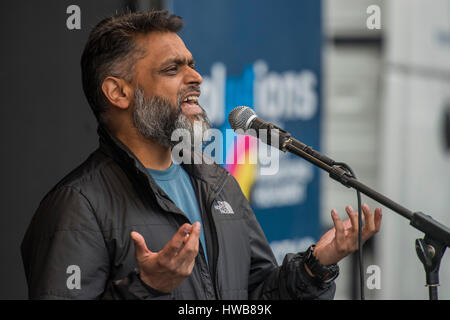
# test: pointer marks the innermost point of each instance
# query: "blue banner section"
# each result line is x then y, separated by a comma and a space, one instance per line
264, 54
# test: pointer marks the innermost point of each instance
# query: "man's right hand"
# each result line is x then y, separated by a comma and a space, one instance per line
166, 269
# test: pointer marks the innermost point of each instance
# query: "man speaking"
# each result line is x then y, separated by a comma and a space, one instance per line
129, 223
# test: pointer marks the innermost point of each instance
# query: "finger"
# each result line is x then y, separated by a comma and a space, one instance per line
190, 250
353, 218
140, 246
370, 223
378, 217
348, 222
338, 225
175, 244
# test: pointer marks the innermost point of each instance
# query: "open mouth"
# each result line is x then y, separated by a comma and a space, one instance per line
190, 106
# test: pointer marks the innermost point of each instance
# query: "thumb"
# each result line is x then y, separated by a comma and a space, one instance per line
140, 247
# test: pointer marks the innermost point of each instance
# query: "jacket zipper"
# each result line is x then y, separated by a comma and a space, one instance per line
216, 241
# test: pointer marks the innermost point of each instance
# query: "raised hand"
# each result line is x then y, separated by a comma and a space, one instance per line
342, 240
166, 269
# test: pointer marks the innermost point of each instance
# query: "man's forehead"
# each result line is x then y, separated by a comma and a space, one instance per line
166, 47
178, 59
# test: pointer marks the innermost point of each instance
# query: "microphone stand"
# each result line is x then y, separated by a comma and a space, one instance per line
430, 249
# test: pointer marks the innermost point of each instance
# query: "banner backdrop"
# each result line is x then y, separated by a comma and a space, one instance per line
266, 55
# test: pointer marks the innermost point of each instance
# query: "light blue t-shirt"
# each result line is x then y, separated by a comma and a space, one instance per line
176, 183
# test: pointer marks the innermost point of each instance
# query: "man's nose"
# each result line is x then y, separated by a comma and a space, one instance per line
194, 77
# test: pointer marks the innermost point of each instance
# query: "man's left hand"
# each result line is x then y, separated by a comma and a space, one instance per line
342, 240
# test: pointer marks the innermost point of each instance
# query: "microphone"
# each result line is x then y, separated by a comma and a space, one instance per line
242, 119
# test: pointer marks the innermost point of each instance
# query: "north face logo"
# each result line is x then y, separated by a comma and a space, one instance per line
224, 207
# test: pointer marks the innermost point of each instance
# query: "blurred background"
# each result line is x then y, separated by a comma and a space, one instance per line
366, 82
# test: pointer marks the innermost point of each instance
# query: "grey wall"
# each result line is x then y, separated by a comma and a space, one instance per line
47, 128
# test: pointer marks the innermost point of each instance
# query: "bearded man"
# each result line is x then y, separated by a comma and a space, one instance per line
130, 223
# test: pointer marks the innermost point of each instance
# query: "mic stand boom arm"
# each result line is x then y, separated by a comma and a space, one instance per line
430, 249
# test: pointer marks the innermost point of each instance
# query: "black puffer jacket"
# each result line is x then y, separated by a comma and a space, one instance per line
84, 224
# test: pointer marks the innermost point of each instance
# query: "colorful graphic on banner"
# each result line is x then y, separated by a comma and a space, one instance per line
265, 55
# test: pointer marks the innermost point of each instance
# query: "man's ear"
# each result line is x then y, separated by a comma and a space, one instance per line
118, 92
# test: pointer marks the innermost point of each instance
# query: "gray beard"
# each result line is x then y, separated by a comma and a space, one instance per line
156, 119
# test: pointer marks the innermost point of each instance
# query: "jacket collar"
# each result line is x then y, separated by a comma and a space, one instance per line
116, 149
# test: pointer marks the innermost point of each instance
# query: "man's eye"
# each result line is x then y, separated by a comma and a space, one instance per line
172, 69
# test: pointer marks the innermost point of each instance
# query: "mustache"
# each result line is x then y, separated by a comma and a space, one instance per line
192, 88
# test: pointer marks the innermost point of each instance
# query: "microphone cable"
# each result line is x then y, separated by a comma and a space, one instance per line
360, 256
